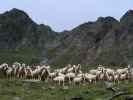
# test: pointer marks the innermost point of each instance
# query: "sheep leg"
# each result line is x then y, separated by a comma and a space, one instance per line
59, 82
69, 80
79, 83
7, 76
63, 83
95, 81
74, 83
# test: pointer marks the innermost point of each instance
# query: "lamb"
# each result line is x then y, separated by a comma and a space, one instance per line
116, 77
77, 80
62, 70
52, 75
110, 71
19, 70
93, 71
44, 74
70, 70
59, 79
122, 71
70, 76
22, 72
28, 73
37, 73
90, 77
123, 76
109, 77
102, 76
9, 71
77, 68
3, 65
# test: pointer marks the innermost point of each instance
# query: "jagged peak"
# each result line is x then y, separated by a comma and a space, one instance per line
100, 20
15, 13
107, 19
127, 15
18, 16
84, 25
16, 10
129, 12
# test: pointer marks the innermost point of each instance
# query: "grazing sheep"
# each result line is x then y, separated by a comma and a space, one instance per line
122, 71
44, 74
116, 77
52, 75
110, 71
9, 71
90, 77
70, 76
77, 80
123, 76
28, 73
59, 79
93, 71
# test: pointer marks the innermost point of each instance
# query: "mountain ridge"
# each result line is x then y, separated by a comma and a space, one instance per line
104, 41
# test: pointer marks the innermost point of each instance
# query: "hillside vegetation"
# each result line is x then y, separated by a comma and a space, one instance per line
104, 41
20, 90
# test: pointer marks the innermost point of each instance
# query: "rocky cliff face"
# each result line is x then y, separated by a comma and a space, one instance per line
18, 30
105, 41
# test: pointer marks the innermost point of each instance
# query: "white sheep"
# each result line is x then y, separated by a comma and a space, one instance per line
116, 77
28, 73
59, 79
123, 76
93, 71
70, 76
9, 72
77, 80
90, 77
122, 70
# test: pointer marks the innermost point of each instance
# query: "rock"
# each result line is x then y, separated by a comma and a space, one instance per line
88, 43
51, 87
130, 97
108, 84
65, 87
16, 98
76, 98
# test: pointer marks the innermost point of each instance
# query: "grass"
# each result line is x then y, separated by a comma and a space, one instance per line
19, 90
26, 55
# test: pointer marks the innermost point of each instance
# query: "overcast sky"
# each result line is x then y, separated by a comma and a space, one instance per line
67, 14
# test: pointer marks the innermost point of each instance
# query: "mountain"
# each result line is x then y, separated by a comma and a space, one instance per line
18, 30
104, 41
20, 35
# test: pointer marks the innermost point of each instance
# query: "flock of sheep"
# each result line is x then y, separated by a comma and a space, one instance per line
70, 74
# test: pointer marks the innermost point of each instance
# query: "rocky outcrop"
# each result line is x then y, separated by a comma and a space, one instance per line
105, 41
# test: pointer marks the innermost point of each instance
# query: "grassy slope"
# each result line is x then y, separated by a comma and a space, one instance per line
12, 90
26, 55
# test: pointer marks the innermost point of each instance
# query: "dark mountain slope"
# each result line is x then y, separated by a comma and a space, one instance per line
19, 35
105, 41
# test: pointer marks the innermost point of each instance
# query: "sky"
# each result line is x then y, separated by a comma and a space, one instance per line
66, 14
